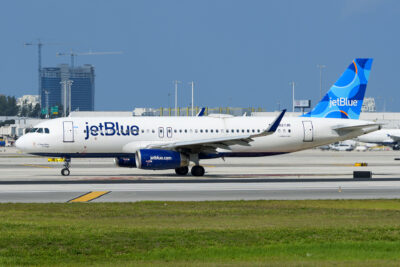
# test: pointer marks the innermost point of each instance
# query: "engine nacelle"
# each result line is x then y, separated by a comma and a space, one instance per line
125, 162
157, 159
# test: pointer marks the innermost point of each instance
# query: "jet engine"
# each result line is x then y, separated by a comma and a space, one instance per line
125, 162
157, 159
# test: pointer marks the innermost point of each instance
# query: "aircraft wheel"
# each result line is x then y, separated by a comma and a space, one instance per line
182, 170
197, 170
65, 172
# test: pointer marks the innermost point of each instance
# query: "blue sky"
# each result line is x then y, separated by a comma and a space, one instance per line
239, 53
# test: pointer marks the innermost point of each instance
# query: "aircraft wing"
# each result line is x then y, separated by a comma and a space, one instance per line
367, 128
210, 145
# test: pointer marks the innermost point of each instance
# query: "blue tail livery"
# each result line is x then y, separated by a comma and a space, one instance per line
345, 98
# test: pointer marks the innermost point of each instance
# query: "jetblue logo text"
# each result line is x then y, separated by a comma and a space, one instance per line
342, 102
110, 129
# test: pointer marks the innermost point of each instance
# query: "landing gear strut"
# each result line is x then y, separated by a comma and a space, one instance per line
67, 164
182, 170
197, 170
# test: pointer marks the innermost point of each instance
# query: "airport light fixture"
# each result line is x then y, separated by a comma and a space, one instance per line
176, 96
321, 67
292, 84
192, 83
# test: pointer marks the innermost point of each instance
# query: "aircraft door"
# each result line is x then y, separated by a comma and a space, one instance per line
308, 131
68, 130
169, 132
161, 132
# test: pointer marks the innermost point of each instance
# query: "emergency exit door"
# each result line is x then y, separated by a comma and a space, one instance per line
68, 128
308, 131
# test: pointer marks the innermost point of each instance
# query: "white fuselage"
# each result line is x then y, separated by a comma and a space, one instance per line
119, 136
383, 137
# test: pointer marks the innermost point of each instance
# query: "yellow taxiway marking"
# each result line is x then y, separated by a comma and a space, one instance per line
33, 165
89, 196
55, 160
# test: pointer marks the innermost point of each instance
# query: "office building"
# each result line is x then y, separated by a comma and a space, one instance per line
82, 87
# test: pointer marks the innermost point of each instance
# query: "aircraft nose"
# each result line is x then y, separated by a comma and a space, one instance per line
21, 143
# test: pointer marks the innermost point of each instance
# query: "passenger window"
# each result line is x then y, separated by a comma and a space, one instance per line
289, 130
252, 131
258, 130
201, 130
142, 131
175, 131
216, 131
211, 130
242, 130
206, 130
237, 130
185, 131
232, 131
180, 130
153, 131
46, 130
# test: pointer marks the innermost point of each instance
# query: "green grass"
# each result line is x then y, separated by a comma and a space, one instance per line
243, 233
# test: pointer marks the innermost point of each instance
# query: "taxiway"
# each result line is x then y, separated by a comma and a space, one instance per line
311, 174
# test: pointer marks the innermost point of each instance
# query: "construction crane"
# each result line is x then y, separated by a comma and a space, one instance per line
73, 54
39, 44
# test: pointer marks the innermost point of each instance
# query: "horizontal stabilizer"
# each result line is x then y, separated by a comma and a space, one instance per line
366, 128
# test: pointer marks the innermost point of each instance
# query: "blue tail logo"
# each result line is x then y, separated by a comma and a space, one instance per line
344, 99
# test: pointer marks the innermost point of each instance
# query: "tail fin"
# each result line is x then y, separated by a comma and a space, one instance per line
344, 99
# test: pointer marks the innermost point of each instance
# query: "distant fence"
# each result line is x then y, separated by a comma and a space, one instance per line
187, 111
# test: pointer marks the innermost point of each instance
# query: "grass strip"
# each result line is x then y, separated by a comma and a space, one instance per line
320, 232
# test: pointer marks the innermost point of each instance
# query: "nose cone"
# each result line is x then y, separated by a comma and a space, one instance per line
21, 143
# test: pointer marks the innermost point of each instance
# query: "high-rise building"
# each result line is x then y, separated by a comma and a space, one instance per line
82, 88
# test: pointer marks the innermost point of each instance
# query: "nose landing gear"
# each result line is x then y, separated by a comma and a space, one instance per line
67, 163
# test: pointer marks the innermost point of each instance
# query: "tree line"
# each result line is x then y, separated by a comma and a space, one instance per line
9, 107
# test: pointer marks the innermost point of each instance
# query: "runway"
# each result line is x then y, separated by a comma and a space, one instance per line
309, 174
127, 192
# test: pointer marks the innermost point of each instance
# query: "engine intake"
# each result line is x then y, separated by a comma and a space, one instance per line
125, 162
157, 159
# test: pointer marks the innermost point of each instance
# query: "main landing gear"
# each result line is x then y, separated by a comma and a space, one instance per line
67, 164
182, 170
196, 170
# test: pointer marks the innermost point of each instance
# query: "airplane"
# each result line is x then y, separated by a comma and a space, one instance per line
160, 143
386, 137
347, 145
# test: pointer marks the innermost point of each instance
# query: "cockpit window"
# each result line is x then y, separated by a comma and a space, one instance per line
33, 130
46, 130
40, 130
